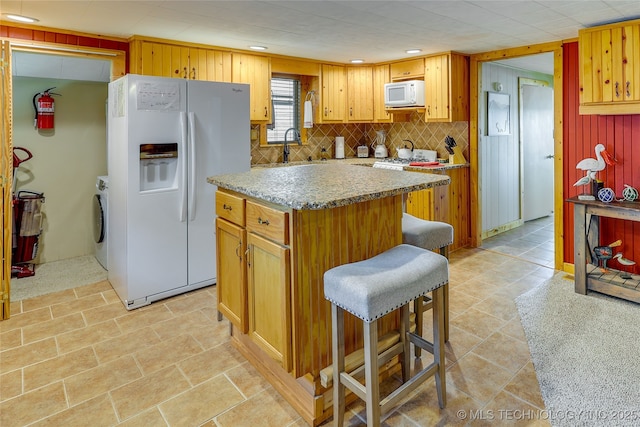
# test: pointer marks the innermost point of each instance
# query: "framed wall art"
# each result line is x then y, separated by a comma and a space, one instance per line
498, 114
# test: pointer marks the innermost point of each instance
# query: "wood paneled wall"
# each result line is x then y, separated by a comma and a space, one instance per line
621, 136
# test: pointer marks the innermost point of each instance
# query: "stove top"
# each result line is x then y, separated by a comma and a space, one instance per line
396, 163
393, 163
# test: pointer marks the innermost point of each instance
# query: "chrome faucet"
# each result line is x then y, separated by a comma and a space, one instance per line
285, 147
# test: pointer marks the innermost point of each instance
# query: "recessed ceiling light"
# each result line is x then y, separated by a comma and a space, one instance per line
258, 47
413, 50
20, 18
357, 61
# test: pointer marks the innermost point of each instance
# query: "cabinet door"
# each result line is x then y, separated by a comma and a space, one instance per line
155, 60
381, 75
333, 101
436, 82
256, 71
360, 94
406, 70
231, 264
269, 296
609, 69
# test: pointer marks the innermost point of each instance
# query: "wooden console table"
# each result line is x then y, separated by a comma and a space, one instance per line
586, 232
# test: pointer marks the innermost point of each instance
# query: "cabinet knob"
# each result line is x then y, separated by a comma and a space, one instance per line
325, 111
266, 112
617, 90
227, 207
263, 221
186, 73
193, 73
238, 254
351, 111
628, 89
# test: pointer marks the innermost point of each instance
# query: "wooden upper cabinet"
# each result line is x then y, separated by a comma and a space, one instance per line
360, 94
152, 58
408, 70
446, 81
256, 71
333, 99
609, 63
381, 75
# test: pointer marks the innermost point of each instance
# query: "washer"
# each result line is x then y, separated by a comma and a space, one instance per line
100, 215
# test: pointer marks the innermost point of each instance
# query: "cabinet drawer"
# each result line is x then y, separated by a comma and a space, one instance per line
270, 223
230, 208
407, 69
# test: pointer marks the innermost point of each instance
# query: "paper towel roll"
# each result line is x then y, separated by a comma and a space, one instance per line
339, 147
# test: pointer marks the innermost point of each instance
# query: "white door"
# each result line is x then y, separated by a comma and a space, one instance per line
537, 144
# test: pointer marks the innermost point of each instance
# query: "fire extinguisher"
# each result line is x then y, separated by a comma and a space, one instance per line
43, 104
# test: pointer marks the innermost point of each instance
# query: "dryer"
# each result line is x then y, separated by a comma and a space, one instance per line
100, 215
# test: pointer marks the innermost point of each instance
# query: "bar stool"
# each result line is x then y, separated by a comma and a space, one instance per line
370, 289
430, 235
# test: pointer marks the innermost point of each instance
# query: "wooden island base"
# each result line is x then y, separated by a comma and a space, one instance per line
272, 258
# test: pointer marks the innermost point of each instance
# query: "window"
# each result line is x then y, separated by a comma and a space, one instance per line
285, 99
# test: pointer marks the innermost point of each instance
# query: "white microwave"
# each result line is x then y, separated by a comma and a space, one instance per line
408, 93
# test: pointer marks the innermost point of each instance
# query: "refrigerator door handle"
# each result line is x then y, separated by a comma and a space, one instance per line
183, 165
192, 167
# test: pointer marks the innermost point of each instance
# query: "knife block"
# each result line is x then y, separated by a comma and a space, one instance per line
457, 157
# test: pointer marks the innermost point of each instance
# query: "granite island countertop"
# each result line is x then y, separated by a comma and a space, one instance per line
321, 186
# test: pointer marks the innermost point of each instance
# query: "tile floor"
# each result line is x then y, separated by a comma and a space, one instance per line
78, 358
533, 241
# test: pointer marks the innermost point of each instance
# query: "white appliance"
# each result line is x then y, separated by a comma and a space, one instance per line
100, 215
166, 136
408, 93
339, 147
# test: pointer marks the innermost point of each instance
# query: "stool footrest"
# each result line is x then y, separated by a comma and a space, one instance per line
356, 359
383, 358
421, 342
407, 387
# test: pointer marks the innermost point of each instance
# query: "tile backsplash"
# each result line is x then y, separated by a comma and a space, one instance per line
428, 136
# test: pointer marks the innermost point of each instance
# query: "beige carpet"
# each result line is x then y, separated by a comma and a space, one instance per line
585, 350
58, 276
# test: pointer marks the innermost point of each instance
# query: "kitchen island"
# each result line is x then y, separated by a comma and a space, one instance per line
278, 230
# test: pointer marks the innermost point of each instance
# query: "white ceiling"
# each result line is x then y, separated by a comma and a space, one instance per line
336, 31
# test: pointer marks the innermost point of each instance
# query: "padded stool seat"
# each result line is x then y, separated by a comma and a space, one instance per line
370, 289
429, 235
425, 234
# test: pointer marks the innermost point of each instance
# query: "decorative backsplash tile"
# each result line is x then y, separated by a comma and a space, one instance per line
428, 136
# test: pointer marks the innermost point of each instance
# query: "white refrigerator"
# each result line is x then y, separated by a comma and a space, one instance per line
166, 136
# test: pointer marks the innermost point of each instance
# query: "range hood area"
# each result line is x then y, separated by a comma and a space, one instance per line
64, 67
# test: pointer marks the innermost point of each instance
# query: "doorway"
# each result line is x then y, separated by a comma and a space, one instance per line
59, 66
517, 166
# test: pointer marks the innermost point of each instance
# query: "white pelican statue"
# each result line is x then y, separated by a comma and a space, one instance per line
603, 158
592, 167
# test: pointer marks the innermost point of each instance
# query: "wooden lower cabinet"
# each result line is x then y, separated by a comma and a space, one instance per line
447, 203
231, 272
268, 297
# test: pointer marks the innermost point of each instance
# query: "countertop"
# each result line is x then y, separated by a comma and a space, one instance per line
327, 185
365, 161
